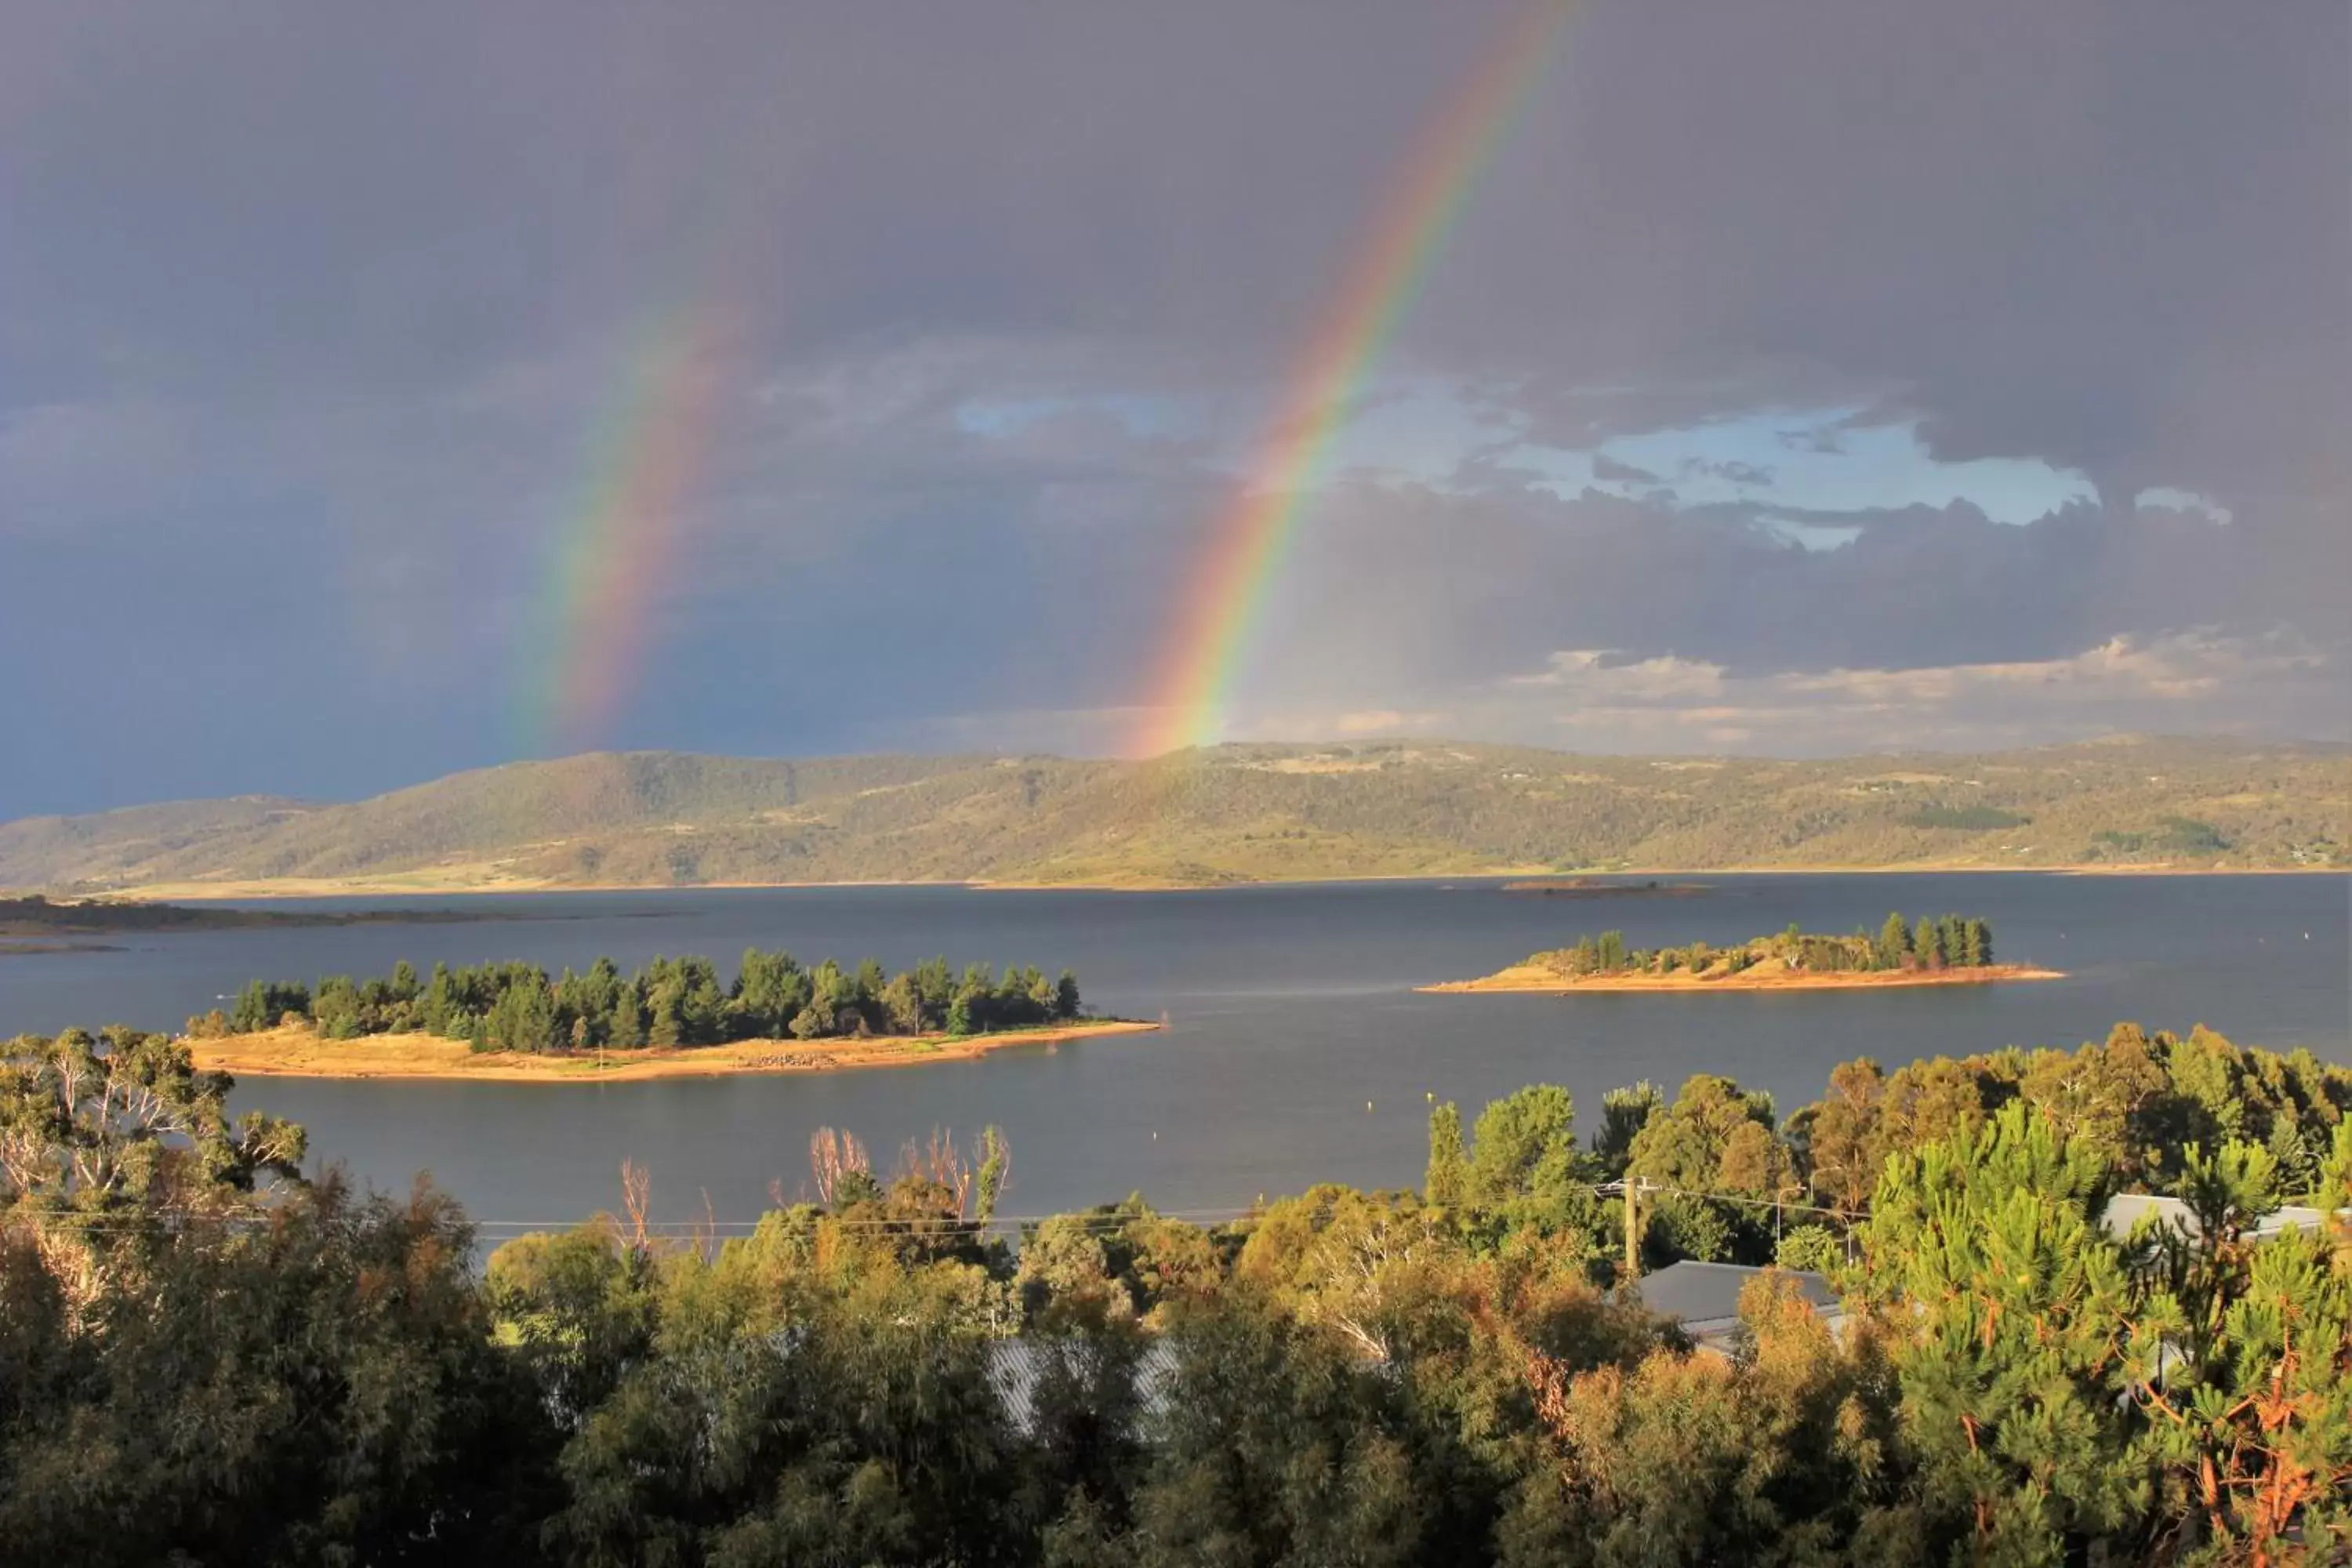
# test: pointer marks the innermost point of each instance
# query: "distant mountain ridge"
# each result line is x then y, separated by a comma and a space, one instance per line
1238, 813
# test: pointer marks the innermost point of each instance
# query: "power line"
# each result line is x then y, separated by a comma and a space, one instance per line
1083, 1219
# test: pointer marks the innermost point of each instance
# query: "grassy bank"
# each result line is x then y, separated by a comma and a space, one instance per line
305, 1053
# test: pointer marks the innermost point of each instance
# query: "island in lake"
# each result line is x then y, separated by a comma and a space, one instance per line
1594, 888
672, 1018
35, 915
1947, 950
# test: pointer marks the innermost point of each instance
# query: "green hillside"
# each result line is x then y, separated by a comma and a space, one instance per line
1232, 813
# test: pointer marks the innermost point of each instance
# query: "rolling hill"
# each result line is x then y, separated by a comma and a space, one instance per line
1232, 813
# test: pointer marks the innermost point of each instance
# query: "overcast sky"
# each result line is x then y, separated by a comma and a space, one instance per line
1801, 377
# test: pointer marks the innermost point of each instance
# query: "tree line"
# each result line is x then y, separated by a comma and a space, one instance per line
1935, 941
205, 1357
516, 1006
1798, 1189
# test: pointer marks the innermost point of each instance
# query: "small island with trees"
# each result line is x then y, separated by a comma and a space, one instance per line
1601, 888
675, 1018
1936, 950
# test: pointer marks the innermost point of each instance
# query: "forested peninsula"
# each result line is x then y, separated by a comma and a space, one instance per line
1937, 950
207, 1357
675, 1018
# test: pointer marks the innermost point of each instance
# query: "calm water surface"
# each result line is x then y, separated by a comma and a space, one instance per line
1297, 1051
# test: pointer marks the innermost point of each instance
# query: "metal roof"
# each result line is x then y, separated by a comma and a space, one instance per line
1706, 1295
2125, 1210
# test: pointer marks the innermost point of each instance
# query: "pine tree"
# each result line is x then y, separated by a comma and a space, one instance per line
1894, 942
1624, 1113
1042, 996
2243, 1364
251, 1012
625, 1028
438, 1007
996, 1167
666, 1021
336, 1009
1447, 1167
936, 985
1987, 1248
702, 1003
901, 1005
1523, 1155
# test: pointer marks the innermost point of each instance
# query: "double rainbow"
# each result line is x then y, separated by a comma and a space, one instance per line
612, 550
1216, 620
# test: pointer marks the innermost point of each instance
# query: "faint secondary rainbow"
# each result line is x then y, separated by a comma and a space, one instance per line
612, 550
1211, 631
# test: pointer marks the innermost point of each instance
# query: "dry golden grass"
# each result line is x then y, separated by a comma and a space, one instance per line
304, 1053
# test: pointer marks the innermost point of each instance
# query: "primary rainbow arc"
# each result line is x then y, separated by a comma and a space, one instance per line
1216, 620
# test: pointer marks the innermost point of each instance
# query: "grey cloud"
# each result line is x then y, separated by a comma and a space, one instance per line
1498, 581
1609, 470
1674, 388
1592, 700
1827, 439
1736, 472
319, 324
2193, 682
333, 201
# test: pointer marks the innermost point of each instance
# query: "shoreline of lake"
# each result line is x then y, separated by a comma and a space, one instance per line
1288, 1010
304, 1053
412, 884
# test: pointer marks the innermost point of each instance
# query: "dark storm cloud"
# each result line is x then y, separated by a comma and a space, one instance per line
315, 317
1518, 577
2080, 621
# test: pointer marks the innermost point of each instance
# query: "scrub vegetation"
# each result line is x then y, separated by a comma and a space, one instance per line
206, 1357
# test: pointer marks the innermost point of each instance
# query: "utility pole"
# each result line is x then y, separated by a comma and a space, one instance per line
1633, 1228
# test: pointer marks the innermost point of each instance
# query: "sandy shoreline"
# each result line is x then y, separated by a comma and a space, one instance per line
1527, 977
424, 884
302, 1053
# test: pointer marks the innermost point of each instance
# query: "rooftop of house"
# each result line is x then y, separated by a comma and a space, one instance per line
2125, 1210
1705, 1297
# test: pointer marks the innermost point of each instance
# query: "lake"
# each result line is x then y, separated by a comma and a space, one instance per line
1295, 1051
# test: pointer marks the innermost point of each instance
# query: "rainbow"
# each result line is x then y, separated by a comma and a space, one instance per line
1210, 634
612, 552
